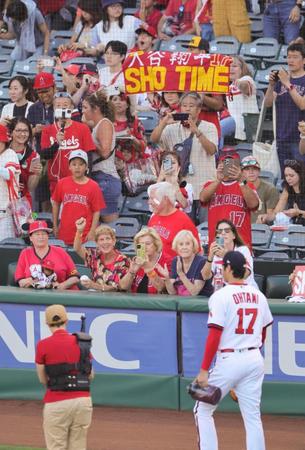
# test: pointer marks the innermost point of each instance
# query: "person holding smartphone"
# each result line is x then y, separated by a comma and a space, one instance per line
226, 239
144, 275
170, 171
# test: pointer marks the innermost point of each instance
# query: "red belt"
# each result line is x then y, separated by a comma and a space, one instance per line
232, 350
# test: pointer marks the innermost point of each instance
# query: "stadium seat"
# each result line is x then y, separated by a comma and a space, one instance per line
6, 47
149, 119
262, 48
260, 280
256, 25
262, 76
244, 149
268, 176
175, 44
260, 237
6, 67
277, 286
83, 270
125, 227
281, 58
11, 269
138, 204
4, 96
57, 38
274, 255
89, 244
251, 122
225, 45
80, 60
28, 67
57, 242
15, 241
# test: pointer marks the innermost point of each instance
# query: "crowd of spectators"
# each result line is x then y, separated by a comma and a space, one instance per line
73, 147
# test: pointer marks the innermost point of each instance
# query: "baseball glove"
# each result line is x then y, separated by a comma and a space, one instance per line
209, 394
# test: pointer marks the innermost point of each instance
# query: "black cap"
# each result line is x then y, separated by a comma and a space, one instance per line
236, 260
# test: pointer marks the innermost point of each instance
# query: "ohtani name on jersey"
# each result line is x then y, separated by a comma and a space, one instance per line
245, 297
227, 199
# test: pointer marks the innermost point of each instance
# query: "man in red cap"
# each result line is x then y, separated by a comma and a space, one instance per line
231, 197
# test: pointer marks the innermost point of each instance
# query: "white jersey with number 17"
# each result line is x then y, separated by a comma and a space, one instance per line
242, 311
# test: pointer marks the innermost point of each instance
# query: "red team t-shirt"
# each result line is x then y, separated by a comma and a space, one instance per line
77, 200
168, 226
64, 267
61, 347
228, 203
25, 175
77, 137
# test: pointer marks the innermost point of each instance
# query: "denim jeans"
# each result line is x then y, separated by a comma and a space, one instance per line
207, 31
276, 20
288, 150
227, 127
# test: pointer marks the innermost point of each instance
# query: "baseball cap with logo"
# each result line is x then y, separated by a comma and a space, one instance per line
44, 80
39, 225
48, 264
236, 260
249, 161
198, 42
79, 154
88, 69
4, 137
147, 29
73, 69
228, 152
56, 315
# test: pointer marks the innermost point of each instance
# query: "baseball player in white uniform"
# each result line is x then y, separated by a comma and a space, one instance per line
238, 317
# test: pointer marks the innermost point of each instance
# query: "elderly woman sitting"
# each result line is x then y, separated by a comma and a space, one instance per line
143, 275
185, 277
43, 265
107, 265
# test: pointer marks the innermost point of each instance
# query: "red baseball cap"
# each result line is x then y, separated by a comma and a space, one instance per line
44, 80
47, 264
4, 137
147, 29
228, 152
39, 225
88, 69
73, 69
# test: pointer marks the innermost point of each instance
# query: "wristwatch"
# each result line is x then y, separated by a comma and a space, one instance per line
243, 183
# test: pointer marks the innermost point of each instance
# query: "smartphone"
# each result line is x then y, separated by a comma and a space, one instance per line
34, 161
227, 164
141, 252
167, 164
276, 75
220, 240
180, 116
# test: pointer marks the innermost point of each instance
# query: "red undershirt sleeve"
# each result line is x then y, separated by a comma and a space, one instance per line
211, 347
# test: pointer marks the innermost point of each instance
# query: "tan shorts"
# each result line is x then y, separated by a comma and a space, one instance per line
66, 423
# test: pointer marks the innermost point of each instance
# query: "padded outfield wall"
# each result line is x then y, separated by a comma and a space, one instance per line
145, 348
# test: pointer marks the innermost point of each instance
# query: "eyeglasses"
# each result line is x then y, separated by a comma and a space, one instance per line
223, 230
181, 12
62, 95
21, 131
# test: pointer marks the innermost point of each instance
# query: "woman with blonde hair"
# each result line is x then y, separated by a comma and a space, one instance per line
143, 275
108, 266
185, 277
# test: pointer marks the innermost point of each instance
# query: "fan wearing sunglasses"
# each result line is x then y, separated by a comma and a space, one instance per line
267, 192
292, 199
226, 239
177, 19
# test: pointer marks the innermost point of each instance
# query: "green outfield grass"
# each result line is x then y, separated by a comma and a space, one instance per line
10, 447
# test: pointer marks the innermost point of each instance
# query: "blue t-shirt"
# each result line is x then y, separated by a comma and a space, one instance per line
194, 273
287, 113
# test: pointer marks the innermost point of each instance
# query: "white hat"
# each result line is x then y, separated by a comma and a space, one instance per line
79, 154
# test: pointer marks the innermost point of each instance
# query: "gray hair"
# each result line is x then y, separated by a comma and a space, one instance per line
193, 95
163, 189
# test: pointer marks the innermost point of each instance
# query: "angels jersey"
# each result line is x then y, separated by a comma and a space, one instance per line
242, 312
